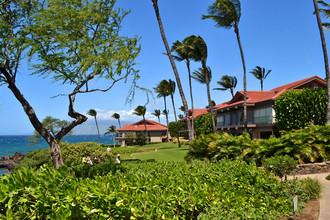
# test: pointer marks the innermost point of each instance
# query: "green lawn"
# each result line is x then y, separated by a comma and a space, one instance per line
164, 152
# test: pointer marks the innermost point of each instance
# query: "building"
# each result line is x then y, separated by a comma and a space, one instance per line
156, 131
261, 115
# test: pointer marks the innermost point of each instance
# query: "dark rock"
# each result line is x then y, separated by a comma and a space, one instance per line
9, 162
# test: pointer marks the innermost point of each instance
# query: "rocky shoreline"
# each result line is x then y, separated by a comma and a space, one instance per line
9, 162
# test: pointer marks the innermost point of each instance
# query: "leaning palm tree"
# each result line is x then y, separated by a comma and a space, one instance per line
141, 111
157, 114
184, 51
226, 14
260, 73
325, 55
176, 74
200, 54
112, 129
325, 12
93, 113
116, 116
162, 91
172, 91
227, 82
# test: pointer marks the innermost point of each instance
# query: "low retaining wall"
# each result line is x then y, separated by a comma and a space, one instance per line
312, 168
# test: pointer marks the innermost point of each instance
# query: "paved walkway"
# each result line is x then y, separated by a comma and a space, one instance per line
325, 194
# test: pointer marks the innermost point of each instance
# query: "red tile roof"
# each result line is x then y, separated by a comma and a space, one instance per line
139, 126
197, 112
261, 96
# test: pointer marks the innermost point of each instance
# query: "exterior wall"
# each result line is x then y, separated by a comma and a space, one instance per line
155, 136
261, 120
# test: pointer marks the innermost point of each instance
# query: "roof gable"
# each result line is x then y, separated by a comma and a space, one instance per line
139, 126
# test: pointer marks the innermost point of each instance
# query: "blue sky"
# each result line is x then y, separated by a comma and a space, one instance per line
280, 35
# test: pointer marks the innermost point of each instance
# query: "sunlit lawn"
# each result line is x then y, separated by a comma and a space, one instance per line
164, 152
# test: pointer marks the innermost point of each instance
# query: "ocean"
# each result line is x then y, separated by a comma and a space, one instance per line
9, 144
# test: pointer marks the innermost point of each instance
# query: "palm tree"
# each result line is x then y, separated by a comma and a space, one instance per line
93, 113
205, 77
141, 111
325, 54
260, 73
227, 82
162, 91
180, 116
184, 51
157, 114
226, 14
200, 54
116, 116
172, 91
176, 74
182, 108
112, 130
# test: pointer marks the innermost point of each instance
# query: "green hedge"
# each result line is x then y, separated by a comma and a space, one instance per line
299, 108
151, 190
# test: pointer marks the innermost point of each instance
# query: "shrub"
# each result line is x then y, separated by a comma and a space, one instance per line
173, 129
138, 190
328, 177
141, 138
280, 165
203, 124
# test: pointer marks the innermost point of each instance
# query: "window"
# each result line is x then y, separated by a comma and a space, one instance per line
227, 119
220, 121
263, 115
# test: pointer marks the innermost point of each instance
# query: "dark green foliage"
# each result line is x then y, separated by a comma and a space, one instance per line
173, 129
36, 158
311, 144
203, 124
143, 191
280, 165
328, 177
141, 138
132, 139
299, 108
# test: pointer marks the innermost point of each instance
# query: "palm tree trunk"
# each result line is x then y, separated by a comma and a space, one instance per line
98, 130
244, 78
119, 123
145, 126
325, 55
209, 95
176, 121
262, 85
177, 77
192, 102
168, 138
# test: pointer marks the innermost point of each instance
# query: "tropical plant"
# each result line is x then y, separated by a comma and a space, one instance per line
325, 53
157, 114
260, 74
180, 116
117, 116
184, 51
175, 71
226, 14
62, 37
227, 82
112, 130
141, 111
200, 52
93, 113
171, 89
177, 129
162, 90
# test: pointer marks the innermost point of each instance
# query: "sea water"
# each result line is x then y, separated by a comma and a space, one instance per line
9, 144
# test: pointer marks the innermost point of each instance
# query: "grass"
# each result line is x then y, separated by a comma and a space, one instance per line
164, 152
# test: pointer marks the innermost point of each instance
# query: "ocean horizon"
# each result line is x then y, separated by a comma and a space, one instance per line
10, 144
